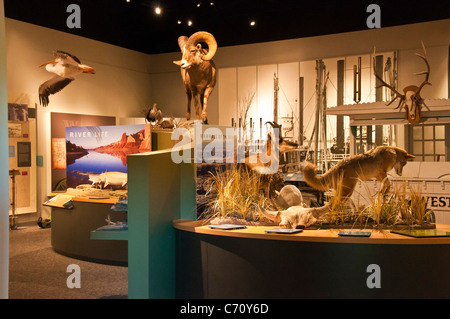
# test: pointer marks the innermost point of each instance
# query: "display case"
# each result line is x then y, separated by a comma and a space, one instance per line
252, 264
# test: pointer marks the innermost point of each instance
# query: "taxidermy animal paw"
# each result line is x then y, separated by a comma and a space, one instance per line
293, 217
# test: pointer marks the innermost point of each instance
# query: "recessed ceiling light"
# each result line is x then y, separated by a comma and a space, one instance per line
158, 10
252, 23
211, 3
179, 21
189, 23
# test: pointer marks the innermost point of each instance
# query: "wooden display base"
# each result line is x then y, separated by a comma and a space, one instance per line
249, 263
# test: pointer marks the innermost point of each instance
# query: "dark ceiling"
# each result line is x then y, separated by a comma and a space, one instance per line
134, 24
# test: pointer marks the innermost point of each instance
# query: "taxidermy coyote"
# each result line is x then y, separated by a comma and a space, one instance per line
342, 178
372, 164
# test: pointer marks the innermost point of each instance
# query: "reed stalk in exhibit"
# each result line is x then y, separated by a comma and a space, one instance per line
404, 204
237, 193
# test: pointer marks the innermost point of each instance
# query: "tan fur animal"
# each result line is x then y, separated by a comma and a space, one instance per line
266, 166
371, 164
198, 71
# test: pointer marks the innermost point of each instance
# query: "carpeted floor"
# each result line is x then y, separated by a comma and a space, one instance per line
37, 272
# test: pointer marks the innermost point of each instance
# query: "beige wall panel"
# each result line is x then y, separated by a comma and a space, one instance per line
227, 95
246, 86
308, 72
288, 95
331, 65
265, 92
168, 92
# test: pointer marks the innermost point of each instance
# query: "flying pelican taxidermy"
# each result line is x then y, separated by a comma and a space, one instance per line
66, 67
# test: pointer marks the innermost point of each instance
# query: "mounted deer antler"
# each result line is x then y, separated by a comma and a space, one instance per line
411, 99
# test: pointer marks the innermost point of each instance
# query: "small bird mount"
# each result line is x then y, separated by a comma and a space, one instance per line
153, 114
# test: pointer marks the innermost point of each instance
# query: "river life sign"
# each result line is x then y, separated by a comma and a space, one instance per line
97, 155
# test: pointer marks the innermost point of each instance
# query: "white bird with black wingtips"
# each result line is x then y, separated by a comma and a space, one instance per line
66, 67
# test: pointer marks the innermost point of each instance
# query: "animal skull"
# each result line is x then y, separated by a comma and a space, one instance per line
293, 217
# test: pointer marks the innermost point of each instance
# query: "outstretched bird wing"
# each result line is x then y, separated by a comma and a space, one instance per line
66, 55
52, 86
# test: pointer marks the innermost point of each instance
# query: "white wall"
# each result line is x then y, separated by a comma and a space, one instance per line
121, 86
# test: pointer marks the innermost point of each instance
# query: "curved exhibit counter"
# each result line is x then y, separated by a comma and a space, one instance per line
250, 263
72, 231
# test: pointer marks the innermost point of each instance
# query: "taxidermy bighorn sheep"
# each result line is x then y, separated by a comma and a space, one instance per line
344, 175
198, 71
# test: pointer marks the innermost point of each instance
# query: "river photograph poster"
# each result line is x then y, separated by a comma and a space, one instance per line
97, 155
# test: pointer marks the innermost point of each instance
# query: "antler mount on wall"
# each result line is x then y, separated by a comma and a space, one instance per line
410, 100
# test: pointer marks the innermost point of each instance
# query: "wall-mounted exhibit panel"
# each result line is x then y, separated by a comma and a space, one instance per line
252, 264
59, 123
227, 95
22, 153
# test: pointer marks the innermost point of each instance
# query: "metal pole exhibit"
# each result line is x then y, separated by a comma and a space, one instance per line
319, 81
340, 133
4, 182
275, 98
300, 111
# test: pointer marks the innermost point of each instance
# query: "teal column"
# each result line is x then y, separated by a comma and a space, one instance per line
4, 181
188, 191
159, 191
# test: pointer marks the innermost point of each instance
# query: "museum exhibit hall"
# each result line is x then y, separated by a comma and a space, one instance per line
224, 150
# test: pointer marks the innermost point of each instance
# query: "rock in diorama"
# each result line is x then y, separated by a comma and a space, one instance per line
288, 196
198, 71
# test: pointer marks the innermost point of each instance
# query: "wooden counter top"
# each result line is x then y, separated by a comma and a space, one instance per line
323, 235
110, 200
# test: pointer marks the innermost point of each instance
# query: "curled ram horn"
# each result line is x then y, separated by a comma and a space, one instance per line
208, 38
182, 40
